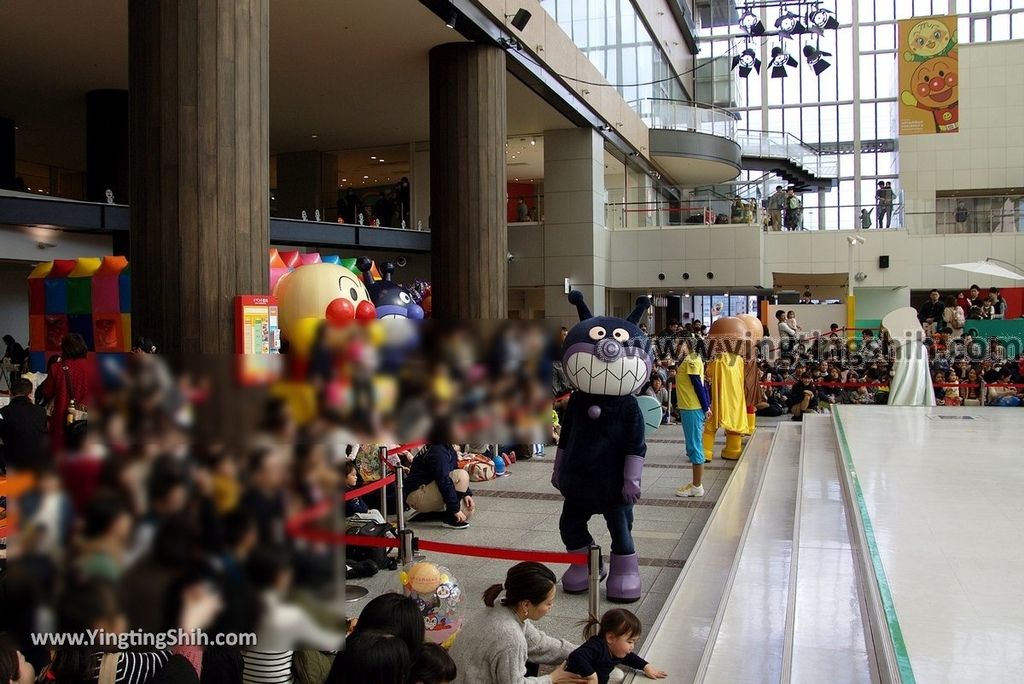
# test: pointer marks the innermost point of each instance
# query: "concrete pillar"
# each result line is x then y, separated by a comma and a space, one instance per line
7, 154
106, 145
307, 181
198, 77
576, 240
469, 240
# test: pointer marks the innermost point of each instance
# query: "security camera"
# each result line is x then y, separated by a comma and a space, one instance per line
402, 262
511, 257
855, 240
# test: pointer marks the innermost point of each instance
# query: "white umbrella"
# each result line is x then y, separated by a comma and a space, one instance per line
989, 267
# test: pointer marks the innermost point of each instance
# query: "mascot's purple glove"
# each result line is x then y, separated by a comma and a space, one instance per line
557, 469
631, 479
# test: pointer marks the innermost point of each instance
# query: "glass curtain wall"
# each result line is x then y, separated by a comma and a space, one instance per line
615, 39
819, 109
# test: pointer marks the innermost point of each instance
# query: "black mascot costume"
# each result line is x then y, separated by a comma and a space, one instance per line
601, 449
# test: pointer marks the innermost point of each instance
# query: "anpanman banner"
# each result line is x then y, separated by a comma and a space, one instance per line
929, 74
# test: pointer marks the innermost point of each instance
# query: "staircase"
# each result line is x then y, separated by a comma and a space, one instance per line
788, 157
773, 591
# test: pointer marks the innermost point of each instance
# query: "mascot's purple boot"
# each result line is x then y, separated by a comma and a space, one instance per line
624, 579
576, 579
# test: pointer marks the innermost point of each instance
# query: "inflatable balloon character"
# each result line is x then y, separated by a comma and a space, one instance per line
318, 292
725, 373
440, 599
753, 392
601, 448
391, 299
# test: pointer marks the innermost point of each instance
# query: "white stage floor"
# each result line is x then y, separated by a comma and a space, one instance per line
945, 500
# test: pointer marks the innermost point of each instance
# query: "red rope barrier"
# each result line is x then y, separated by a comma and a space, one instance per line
372, 487
503, 554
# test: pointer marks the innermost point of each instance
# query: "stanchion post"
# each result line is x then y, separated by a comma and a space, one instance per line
400, 498
382, 454
405, 550
338, 527
594, 600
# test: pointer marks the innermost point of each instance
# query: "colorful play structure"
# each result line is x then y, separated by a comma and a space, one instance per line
90, 296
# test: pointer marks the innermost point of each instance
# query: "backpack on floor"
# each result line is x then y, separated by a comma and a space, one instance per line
378, 555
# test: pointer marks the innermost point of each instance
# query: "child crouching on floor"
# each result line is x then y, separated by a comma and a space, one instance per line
610, 642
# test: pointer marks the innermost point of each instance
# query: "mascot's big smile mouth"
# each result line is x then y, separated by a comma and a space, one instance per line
943, 96
617, 377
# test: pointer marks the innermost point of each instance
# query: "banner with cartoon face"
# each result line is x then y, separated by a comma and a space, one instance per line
929, 76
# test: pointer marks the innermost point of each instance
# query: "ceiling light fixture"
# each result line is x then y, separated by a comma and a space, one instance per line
751, 24
372, 157
533, 141
789, 25
815, 59
781, 60
453, 16
745, 62
820, 20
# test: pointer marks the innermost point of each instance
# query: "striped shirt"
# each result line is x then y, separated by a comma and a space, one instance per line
267, 667
133, 667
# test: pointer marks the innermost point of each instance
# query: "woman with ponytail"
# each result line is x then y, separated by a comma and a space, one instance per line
495, 649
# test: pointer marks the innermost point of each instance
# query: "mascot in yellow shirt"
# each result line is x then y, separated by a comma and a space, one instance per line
725, 374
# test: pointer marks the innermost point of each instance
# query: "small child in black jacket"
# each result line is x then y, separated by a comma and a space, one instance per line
610, 643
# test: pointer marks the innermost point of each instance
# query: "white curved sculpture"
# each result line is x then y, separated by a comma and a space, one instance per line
911, 383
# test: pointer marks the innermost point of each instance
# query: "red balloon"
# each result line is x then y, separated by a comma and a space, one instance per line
340, 311
366, 311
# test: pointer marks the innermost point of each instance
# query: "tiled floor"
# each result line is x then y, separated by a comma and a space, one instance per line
521, 511
944, 500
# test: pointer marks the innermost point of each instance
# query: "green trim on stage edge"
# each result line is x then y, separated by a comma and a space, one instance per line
896, 634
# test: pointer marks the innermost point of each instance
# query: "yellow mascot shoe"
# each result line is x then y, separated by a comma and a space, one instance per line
709, 445
751, 423
733, 446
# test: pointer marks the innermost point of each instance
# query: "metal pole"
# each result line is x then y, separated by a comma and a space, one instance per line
382, 453
594, 599
405, 550
400, 498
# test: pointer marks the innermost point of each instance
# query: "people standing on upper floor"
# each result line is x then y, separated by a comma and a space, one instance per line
930, 312
794, 210
74, 377
776, 204
522, 211
890, 199
805, 298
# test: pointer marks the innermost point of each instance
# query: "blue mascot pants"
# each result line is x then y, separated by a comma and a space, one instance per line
575, 535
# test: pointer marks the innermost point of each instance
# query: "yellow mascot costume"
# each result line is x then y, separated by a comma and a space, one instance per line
725, 377
752, 389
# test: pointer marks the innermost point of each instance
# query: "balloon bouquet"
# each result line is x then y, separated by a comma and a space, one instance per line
439, 597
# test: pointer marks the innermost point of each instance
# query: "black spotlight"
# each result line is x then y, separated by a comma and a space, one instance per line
789, 25
521, 19
816, 59
821, 20
751, 24
745, 61
781, 60
453, 16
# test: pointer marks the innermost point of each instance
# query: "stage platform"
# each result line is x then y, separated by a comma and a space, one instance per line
877, 544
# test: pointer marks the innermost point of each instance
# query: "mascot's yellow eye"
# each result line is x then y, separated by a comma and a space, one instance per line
598, 333
620, 334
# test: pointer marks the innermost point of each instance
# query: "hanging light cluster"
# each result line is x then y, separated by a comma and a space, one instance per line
795, 20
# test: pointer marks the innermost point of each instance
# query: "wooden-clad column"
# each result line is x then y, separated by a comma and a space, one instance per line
469, 241
198, 77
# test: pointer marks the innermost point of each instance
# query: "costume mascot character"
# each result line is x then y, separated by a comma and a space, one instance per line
911, 383
752, 389
390, 299
725, 373
601, 448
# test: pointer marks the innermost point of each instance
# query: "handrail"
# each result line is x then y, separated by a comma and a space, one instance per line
685, 116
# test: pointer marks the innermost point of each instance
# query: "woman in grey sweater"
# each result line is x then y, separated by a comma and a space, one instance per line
495, 649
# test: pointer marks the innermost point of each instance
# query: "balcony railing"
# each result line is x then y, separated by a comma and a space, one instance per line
637, 213
678, 115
